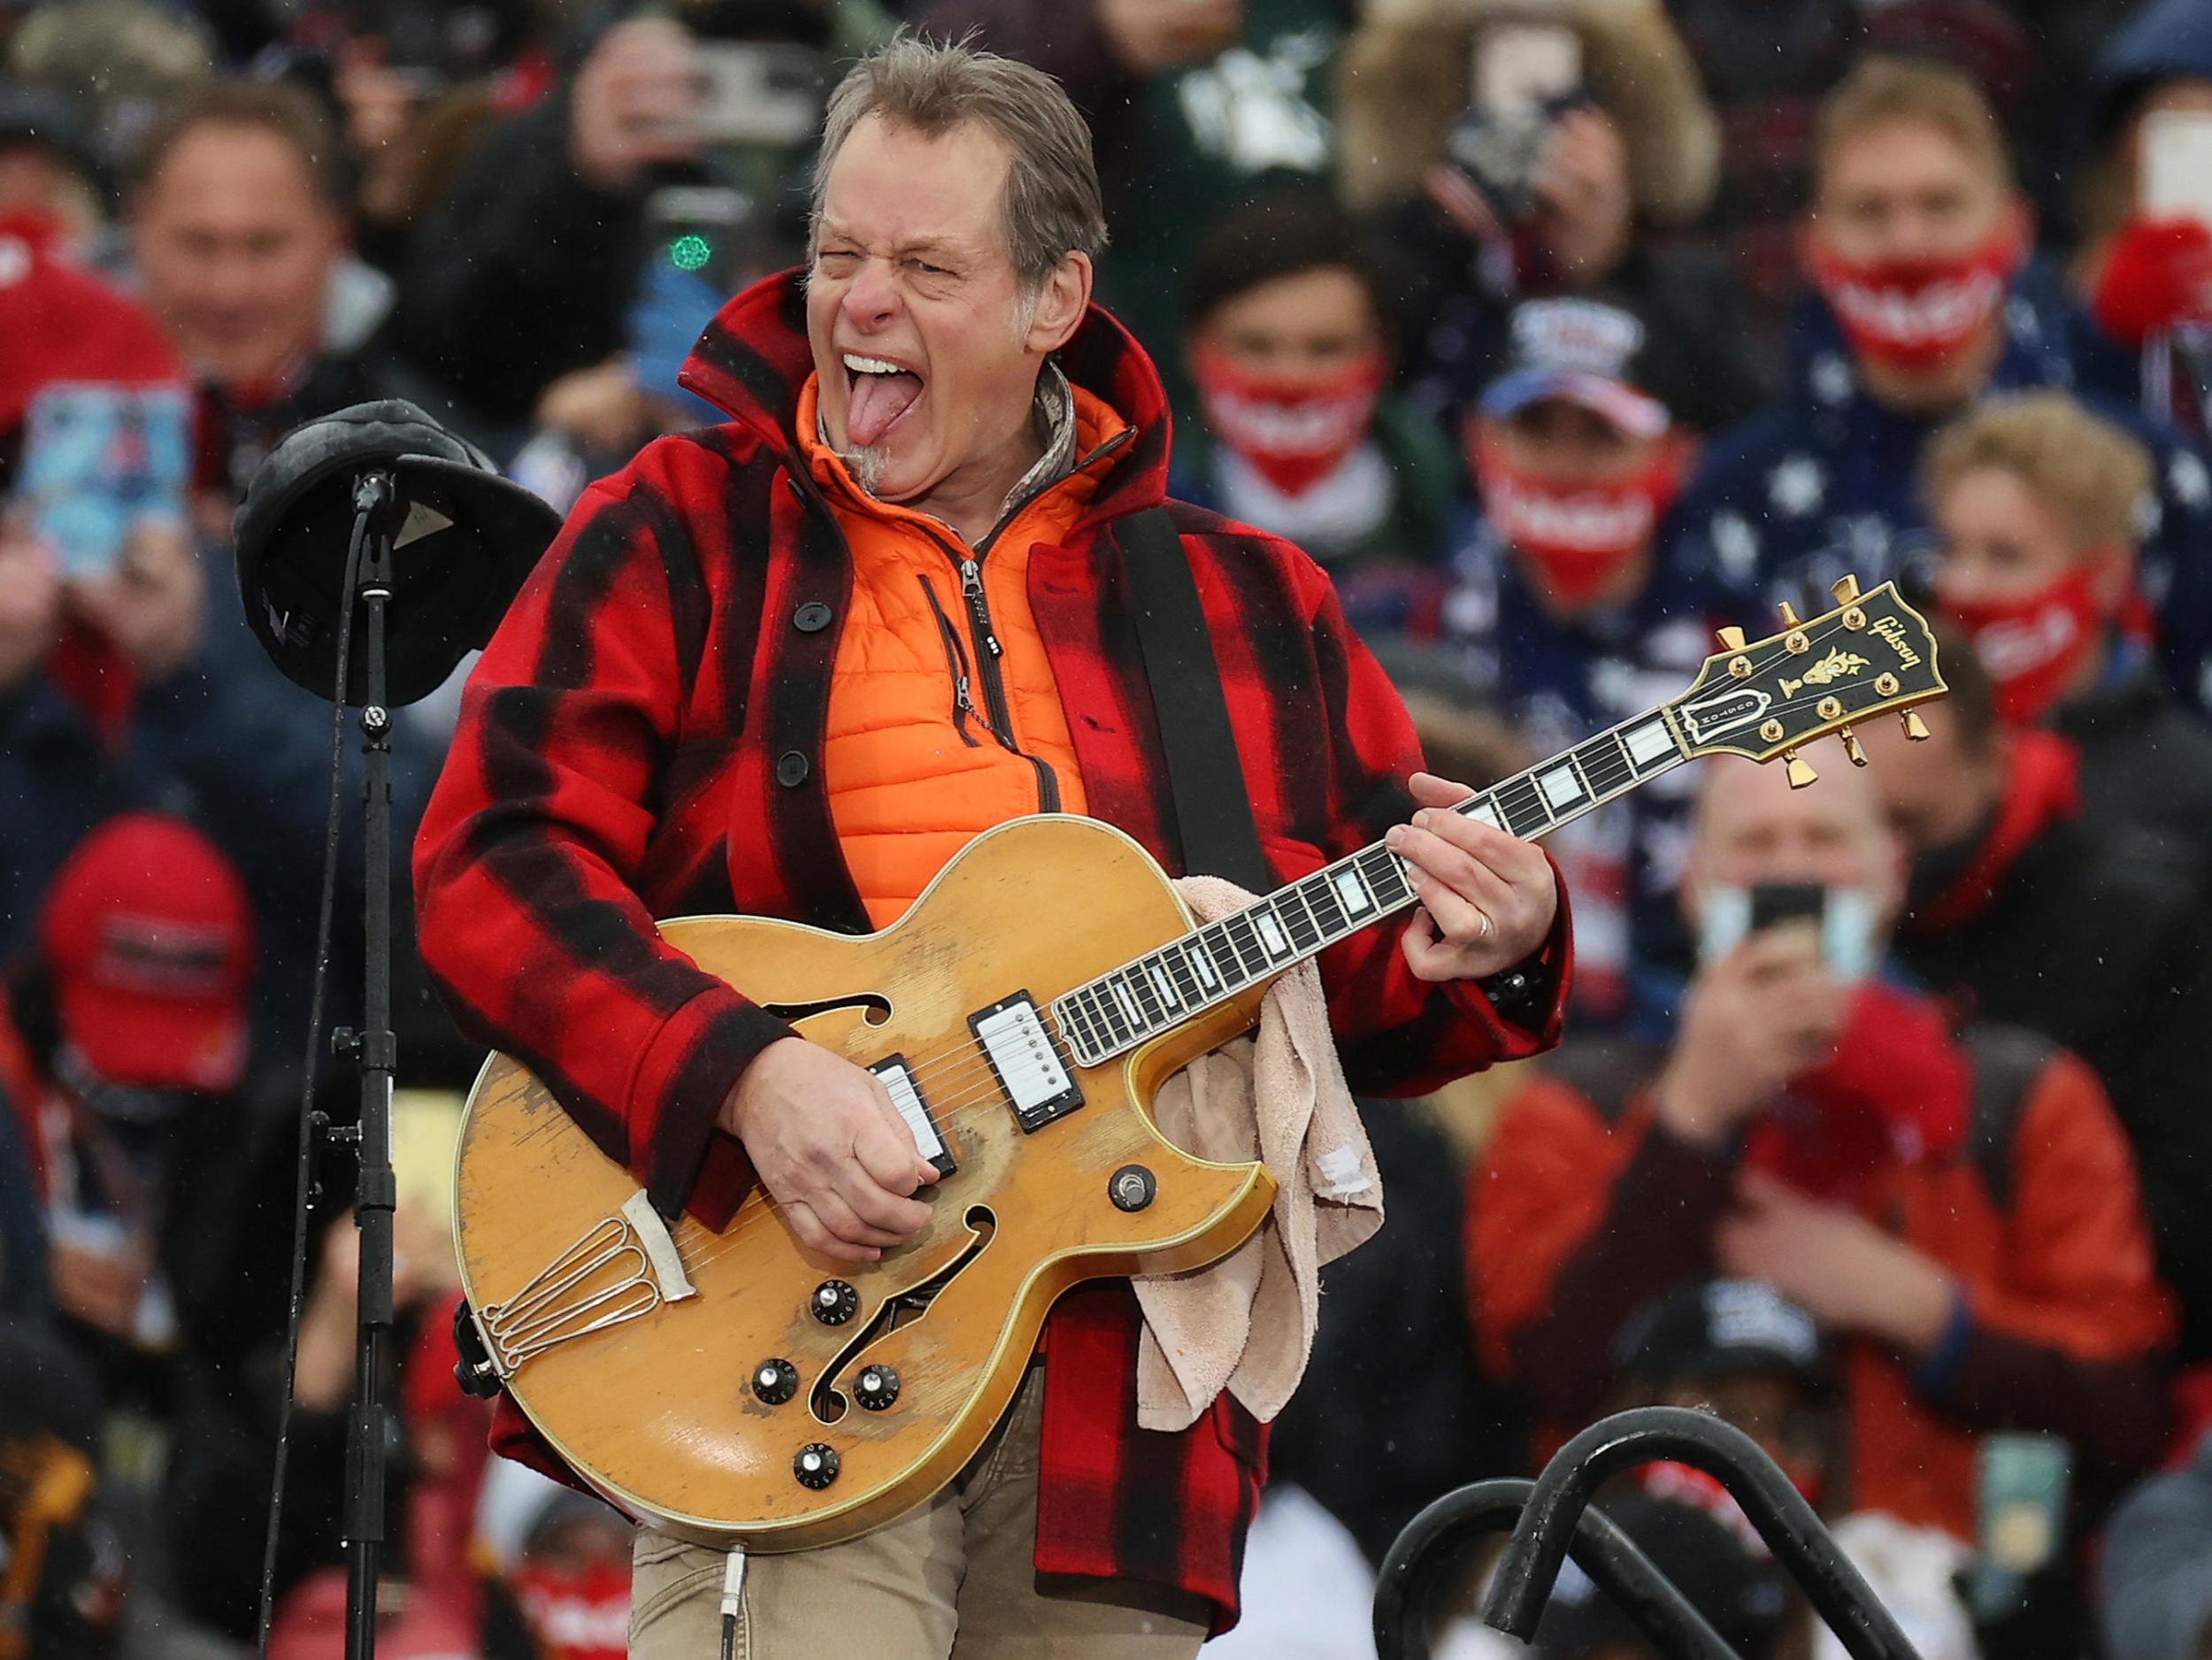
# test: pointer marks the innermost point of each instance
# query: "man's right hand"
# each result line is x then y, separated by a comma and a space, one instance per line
830, 1148
1762, 1014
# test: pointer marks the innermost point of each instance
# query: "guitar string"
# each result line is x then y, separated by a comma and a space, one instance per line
769, 1207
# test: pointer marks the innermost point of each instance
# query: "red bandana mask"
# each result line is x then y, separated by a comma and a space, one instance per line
1915, 313
579, 1616
2032, 646
1575, 538
1293, 433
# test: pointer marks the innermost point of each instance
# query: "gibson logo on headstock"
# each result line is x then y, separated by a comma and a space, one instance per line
1893, 630
1834, 666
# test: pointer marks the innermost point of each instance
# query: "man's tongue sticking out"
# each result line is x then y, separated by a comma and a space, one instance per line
875, 402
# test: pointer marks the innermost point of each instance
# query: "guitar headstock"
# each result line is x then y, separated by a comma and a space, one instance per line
1871, 655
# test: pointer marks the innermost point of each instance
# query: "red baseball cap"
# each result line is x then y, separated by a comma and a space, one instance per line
62, 323
148, 936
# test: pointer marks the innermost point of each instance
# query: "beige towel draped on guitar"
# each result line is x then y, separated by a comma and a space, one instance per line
1246, 1322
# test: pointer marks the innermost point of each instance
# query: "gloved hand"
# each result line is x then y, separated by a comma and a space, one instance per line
2157, 272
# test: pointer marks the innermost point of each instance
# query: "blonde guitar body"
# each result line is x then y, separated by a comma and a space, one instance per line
655, 1396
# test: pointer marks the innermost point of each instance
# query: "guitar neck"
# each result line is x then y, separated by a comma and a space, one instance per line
1165, 987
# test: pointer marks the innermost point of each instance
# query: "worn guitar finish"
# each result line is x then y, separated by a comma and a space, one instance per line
733, 1388
661, 1413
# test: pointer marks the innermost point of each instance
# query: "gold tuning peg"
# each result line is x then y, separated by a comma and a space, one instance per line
1851, 749
1800, 772
1916, 728
1731, 638
1789, 614
1845, 590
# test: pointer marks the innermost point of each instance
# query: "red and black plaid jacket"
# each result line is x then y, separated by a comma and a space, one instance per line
644, 738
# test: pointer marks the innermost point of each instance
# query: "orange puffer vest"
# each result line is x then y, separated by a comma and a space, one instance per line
944, 718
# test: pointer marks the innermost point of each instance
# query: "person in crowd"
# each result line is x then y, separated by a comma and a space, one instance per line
1742, 1350
2154, 1573
2145, 266
892, 416
2015, 871
1560, 605
1629, 145
47, 166
526, 269
2036, 503
1959, 1211
1199, 107
1290, 345
238, 246
1917, 242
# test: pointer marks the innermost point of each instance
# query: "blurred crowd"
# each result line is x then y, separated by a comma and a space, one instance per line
1562, 332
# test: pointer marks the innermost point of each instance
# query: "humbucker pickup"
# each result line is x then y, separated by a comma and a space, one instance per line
1027, 1062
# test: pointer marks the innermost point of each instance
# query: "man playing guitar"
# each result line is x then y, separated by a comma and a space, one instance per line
787, 667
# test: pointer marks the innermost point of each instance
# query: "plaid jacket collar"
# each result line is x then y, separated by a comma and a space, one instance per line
753, 358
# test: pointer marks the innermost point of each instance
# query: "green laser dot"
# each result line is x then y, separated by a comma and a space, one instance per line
689, 253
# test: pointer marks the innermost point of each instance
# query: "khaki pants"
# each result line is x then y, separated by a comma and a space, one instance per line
952, 1578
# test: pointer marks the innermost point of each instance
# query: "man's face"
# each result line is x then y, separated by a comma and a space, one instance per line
911, 275
1752, 828
1310, 327
1937, 790
234, 246
1569, 445
2002, 542
1904, 190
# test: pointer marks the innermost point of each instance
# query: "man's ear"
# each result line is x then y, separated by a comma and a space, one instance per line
1061, 304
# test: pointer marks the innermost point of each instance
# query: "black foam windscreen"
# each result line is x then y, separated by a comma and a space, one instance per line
464, 538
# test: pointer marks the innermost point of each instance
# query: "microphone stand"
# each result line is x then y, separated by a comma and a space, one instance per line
375, 1050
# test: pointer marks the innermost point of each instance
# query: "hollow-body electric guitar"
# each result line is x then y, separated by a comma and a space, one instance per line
733, 1388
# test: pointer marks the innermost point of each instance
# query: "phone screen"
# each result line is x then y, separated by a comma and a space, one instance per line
1843, 917
99, 460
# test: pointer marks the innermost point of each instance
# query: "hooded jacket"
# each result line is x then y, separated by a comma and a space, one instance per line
643, 738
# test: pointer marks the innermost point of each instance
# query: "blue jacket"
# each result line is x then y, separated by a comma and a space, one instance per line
1827, 481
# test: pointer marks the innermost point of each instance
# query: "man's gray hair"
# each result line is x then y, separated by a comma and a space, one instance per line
1051, 206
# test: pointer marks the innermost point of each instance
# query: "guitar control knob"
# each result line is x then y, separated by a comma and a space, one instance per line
876, 1388
835, 1301
775, 1381
815, 1466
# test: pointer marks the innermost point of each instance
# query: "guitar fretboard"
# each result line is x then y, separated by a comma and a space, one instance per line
1167, 987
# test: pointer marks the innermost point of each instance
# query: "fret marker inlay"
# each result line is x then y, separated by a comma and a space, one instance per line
1561, 789
1272, 934
1648, 743
1351, 892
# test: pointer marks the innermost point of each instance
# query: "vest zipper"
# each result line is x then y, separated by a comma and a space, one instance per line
987, 652
956, 660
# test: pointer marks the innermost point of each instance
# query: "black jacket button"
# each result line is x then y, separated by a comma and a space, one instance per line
791, 769
811, 618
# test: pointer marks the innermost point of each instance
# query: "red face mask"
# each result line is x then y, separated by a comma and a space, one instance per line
1575, 538
2032, 646
576, 1616
1915, 313
1293, 433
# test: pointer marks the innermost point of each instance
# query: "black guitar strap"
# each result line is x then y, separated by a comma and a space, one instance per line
1213, 824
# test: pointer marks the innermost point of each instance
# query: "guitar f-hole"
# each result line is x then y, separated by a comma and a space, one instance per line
902, 1309
874, 1008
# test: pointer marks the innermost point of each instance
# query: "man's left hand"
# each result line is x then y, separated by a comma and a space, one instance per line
1487, 899
1845, 1271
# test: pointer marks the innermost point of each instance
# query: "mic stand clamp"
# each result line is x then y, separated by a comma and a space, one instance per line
373, 1050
